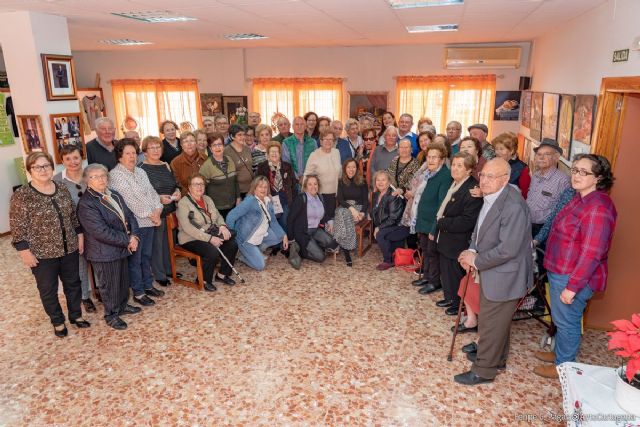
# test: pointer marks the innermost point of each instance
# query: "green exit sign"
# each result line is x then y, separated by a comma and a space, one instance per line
621, 55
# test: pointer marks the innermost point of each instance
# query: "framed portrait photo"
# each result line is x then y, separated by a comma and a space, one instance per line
32, 134
60, 80
67, 129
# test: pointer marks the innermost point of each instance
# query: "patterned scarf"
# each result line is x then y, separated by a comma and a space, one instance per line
275, 177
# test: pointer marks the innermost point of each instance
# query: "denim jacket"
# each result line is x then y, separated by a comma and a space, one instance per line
246, 217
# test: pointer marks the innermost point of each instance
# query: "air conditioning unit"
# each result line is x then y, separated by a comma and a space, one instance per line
482, 57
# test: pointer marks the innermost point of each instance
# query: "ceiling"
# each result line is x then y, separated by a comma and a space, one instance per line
290, 23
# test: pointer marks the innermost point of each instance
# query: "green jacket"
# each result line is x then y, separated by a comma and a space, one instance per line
430, 201
289, 152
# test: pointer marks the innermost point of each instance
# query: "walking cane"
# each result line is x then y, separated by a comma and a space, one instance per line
230, 265
455, 328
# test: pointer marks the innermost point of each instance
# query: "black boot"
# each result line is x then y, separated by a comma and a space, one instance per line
347, 257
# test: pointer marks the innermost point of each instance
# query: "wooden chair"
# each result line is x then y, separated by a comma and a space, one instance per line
364, 229
176, 251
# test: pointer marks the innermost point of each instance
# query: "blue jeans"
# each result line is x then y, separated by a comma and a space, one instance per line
251, 255
140, 277
567, 317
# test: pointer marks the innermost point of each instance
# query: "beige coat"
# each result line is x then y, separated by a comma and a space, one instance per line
186, 231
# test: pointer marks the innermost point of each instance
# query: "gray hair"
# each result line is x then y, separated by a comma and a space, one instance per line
391, 128
282, 119
350, 122
406, 115
405, 140
102, 120
93, 167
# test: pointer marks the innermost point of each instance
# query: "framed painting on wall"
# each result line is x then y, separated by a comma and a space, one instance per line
210, 104
507, 105
60, 80
368, 103
536, 116
66, 130
231, 104
565, 122
584, 108
31, 133
550, 106
525, 109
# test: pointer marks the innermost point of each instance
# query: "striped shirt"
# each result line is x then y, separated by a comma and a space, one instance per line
137, 192
544, 192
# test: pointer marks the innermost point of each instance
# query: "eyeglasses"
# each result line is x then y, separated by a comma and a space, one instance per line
373, 138
217, 145
41, 168
154, 147
434, 157
581, 172
539, 154
197, 184
96, 177
490, 177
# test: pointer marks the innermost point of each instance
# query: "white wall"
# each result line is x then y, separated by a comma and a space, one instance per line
574, 58
227, 70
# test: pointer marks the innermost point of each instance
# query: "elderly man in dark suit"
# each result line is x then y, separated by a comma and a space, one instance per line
501, 252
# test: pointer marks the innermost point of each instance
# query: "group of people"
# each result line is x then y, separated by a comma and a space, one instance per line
470, 205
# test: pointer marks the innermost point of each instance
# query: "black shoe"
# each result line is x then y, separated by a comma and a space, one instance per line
347, 258
444, 303
226, 280
80, 323
470, 378
154, 292
144, 300
429, 289
274, 251
464, 329
163, 282
89, 307
179, 275
117, 323
452, 311
420, 282
472, 358
210, 287
130, 309
472, 347
62, 332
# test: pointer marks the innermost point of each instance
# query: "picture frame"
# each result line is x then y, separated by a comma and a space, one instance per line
368, 104
550, 109
535, 131
583, 115
210, 104
231, 103
507, 105
32, 134
92, 109
59, 77
525, 109
565, 124
67, 129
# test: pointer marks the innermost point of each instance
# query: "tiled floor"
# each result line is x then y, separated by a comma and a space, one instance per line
325, 345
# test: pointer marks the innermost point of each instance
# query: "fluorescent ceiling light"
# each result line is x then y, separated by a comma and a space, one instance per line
244, 37
124, 42
154, 16
432, 28
410, 4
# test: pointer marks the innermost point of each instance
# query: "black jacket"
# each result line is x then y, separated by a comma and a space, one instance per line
96, 153
106, 237
168, 152
460, 215
297, 224
388, 212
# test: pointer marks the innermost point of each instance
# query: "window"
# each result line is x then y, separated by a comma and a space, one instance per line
150, 102
296, 96
467, 99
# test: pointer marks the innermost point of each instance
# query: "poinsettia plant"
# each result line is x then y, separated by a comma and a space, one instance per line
626, 340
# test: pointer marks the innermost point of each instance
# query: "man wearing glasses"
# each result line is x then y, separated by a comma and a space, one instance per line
547, 183
454, 133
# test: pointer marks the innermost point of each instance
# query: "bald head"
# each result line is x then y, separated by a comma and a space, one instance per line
494, 176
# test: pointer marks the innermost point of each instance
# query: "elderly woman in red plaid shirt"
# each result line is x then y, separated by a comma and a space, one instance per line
576, 257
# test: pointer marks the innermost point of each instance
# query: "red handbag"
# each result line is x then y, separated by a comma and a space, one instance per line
407, 259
